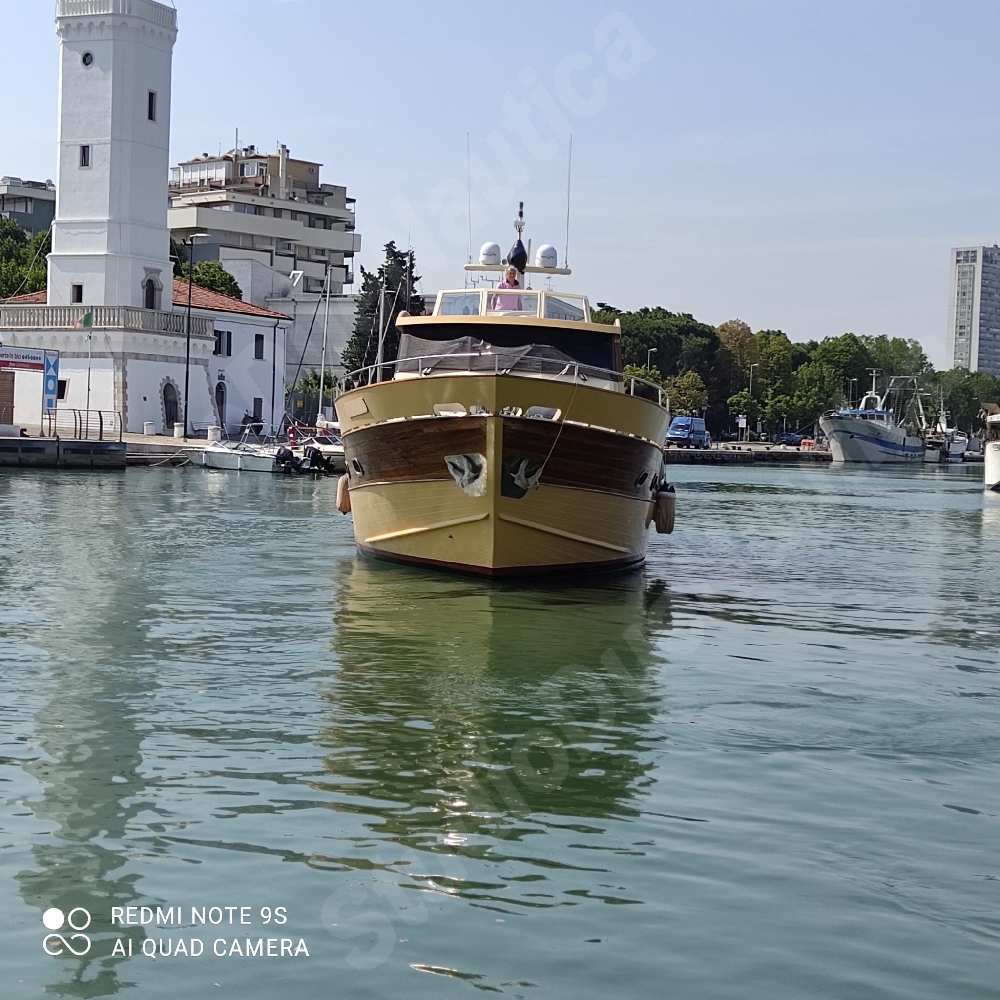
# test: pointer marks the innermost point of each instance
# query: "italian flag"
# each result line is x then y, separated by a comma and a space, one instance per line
85, 322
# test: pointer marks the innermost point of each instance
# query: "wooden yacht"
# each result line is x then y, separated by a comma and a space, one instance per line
504, 440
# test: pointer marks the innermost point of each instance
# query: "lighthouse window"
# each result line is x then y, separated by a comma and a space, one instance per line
76, 294
85, 156
88, 59
151, 106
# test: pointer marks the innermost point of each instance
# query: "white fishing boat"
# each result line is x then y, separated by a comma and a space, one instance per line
943, 443
881, 430
991, 448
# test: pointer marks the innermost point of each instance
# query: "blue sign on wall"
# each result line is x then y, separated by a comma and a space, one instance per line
50, 381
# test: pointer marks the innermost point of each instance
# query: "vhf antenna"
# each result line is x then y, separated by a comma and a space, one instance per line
569, 176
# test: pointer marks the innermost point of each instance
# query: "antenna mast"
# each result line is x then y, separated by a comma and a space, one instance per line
569, 177
468, 175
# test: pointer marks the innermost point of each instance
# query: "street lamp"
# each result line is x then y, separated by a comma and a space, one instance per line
649, 358
189, 243
756, 364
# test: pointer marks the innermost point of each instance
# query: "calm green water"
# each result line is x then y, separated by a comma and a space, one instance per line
765, 767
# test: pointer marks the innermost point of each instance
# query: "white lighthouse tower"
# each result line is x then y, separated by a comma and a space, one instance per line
127, 358
110, 242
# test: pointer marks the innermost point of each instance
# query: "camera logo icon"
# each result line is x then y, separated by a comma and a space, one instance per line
55, 943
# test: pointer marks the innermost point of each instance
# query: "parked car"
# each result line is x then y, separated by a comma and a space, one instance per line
688, 432
789, 438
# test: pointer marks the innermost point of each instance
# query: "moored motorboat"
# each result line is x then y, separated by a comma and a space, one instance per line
237, 456
324, 439
504, 439
991, 448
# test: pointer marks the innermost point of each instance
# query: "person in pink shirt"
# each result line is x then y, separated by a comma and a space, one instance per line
511, 303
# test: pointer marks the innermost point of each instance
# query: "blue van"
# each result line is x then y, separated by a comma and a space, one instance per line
688, 432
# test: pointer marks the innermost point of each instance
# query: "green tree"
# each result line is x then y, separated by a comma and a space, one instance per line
682, 344
687, 393
212, 275
737, 338
849, 358
815, 388
896, 356
773, 376
179, 256
395, 277
309, 384
742, 403
22, 261
964, 394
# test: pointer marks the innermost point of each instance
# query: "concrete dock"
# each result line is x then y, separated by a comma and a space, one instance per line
746, 454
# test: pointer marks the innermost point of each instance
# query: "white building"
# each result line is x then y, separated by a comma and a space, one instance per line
110, 257
272, 213
240, 372
974, 309
271, 208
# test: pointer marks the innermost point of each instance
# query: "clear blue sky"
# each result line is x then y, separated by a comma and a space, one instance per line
801, 165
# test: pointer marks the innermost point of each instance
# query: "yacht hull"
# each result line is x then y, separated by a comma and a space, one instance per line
855, 440
504, 495
991, 465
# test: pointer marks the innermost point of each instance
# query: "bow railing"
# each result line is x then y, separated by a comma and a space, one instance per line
499, 363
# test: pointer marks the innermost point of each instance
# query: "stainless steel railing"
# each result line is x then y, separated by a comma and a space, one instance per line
83, 425
498, 363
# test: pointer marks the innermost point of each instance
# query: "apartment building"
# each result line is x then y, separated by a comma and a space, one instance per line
974, 309
31, 204
270, 208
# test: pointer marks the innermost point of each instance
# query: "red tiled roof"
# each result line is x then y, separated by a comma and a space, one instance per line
201, 298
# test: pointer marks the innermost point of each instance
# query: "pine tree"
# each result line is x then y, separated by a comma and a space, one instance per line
397, 276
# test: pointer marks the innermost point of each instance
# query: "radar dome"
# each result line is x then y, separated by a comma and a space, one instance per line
546, 256
489, 253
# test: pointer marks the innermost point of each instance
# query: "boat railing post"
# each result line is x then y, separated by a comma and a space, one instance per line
631, 390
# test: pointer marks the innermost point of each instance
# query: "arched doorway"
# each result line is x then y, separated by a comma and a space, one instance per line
220, 402
171, 412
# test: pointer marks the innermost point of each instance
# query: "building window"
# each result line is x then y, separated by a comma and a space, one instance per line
62, 389
258, 408
258, 346
223, 344
85, 156
87, 59
151, 106
76, 294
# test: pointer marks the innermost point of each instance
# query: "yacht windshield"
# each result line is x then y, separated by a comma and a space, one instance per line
461, 347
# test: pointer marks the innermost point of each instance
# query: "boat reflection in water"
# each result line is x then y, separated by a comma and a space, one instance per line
463, 709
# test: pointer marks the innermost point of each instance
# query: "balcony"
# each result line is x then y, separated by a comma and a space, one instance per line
130, 318
155, 12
